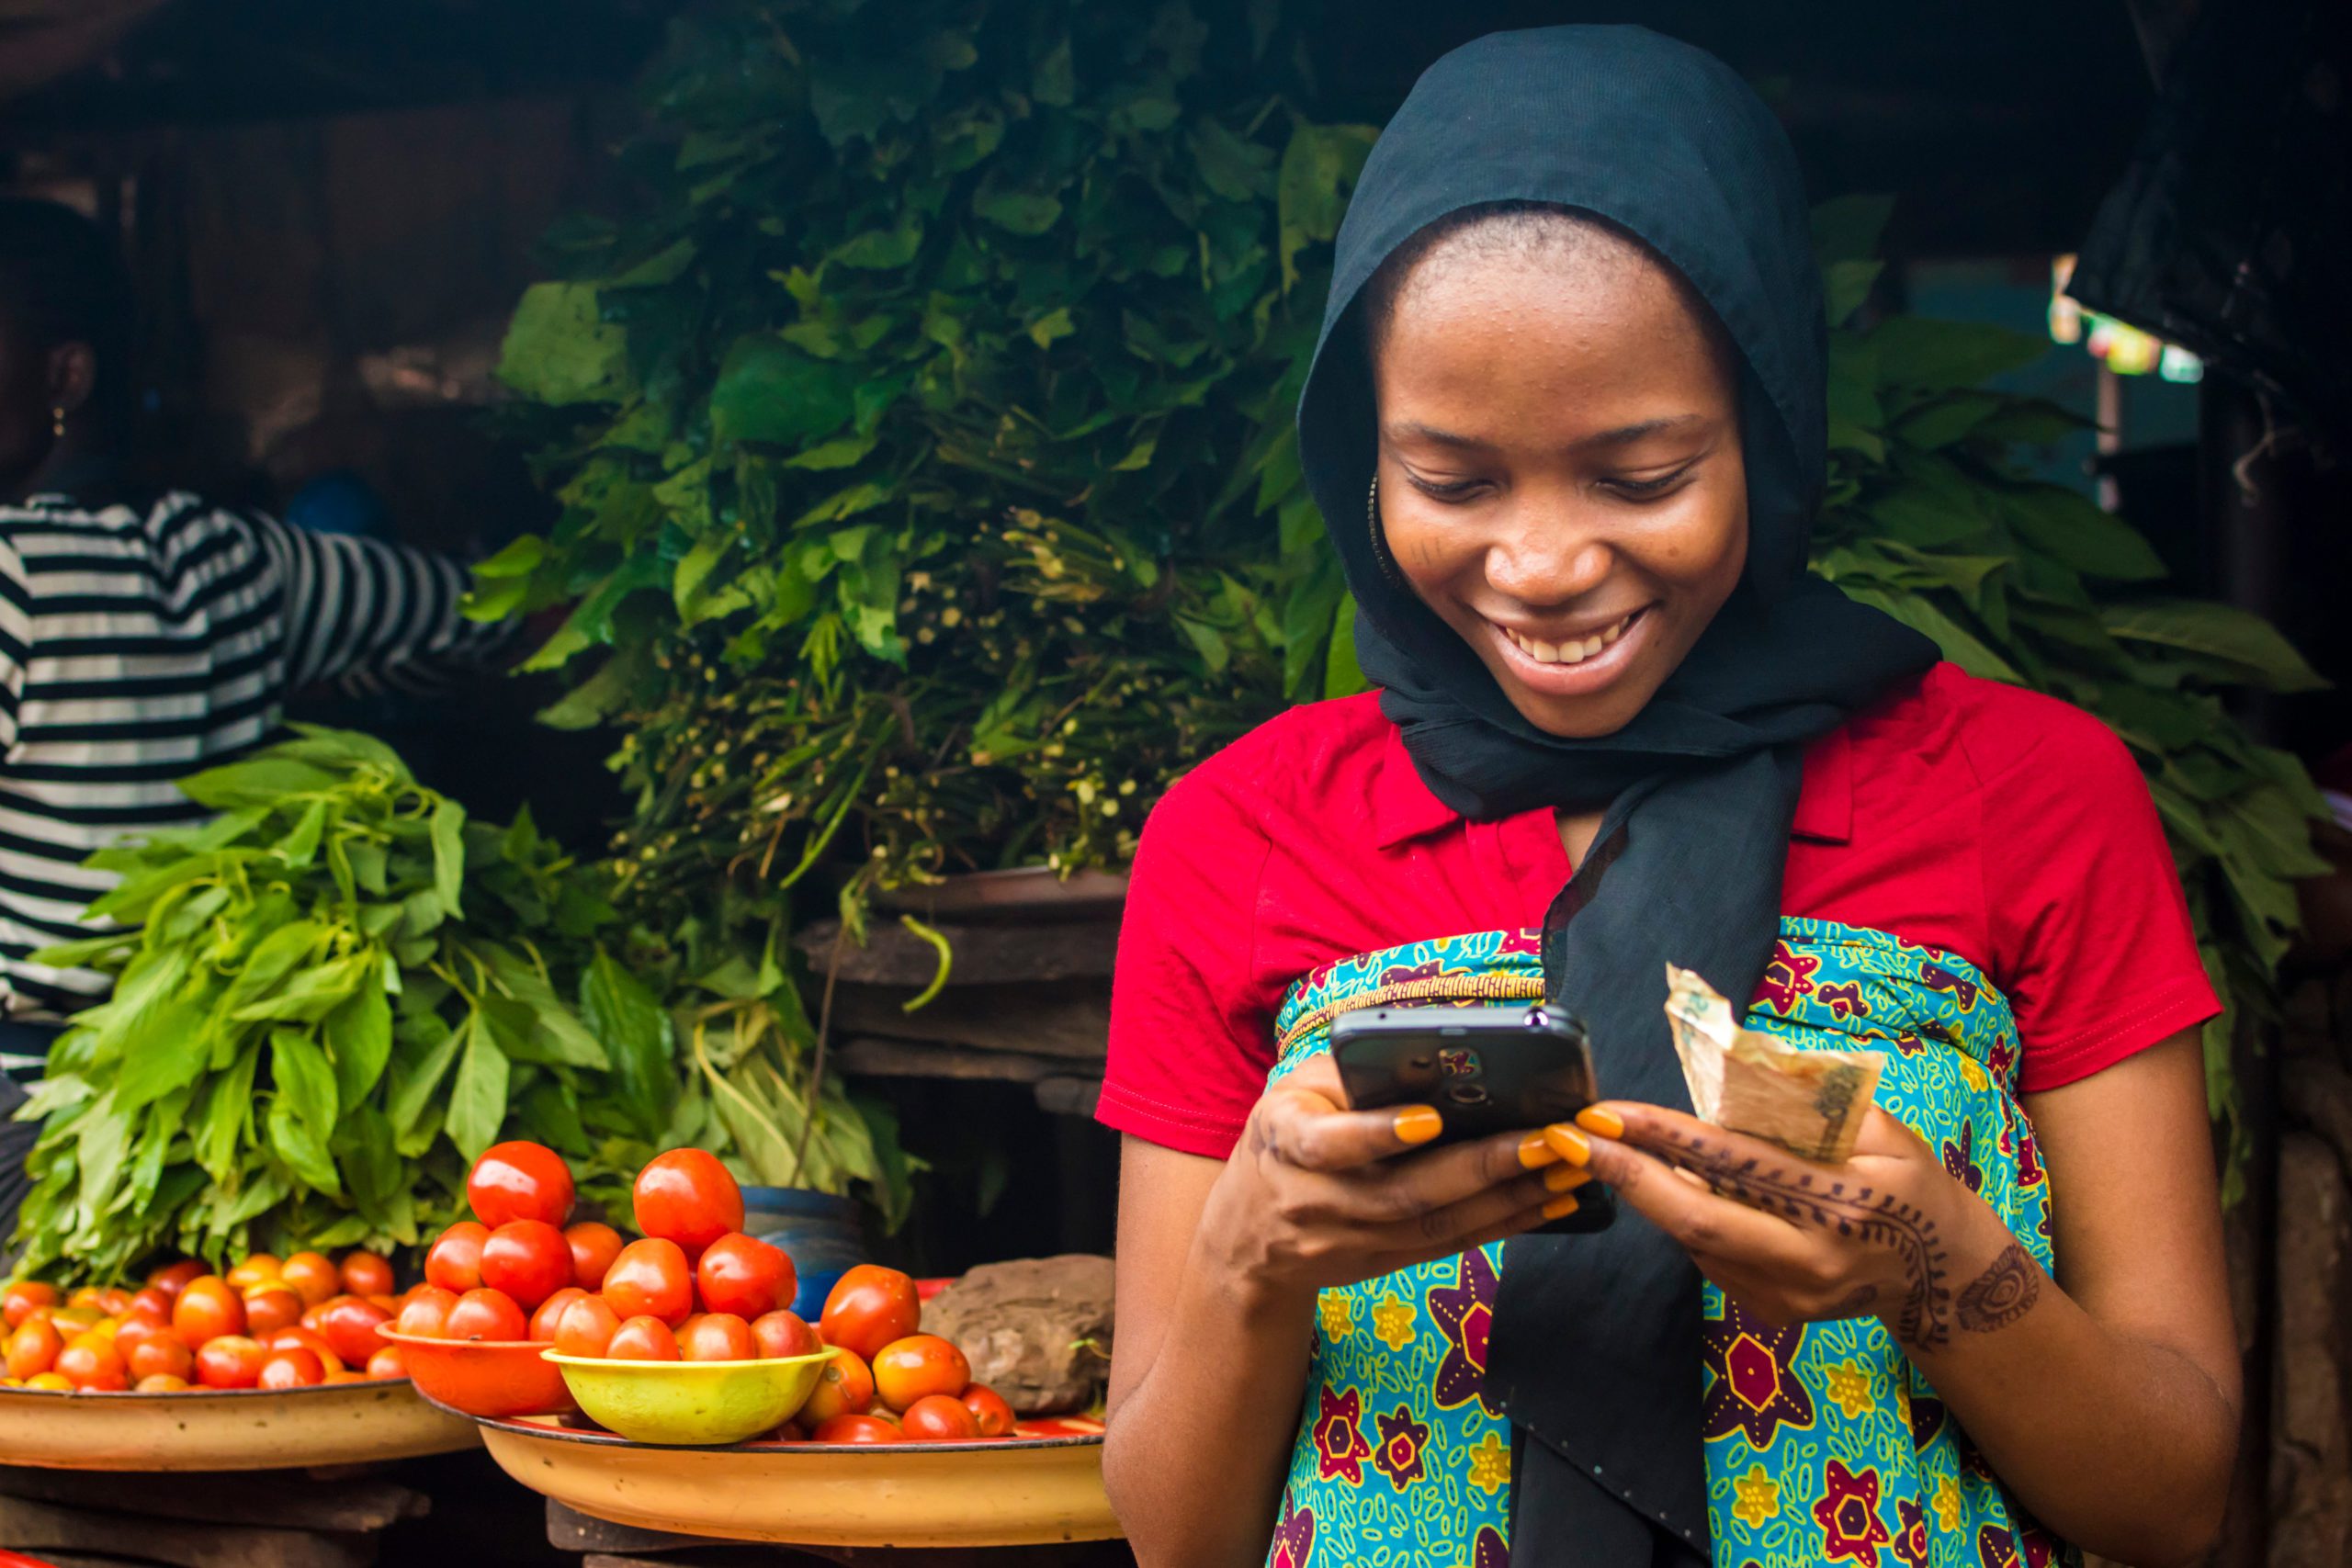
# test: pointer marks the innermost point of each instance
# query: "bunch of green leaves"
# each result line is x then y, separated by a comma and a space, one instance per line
917, 443
327, 1000
1931, 517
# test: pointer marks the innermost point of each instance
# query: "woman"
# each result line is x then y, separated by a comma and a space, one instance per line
1566, 423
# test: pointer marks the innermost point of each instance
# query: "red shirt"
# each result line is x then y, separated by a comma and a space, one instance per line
1990, 821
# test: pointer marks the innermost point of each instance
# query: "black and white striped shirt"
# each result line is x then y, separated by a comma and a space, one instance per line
138, 648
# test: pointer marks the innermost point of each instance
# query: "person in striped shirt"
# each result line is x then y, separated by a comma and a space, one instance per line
143, 637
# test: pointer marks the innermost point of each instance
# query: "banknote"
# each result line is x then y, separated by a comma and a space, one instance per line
1809, 1102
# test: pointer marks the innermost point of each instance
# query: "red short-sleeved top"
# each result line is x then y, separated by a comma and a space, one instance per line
1995, 823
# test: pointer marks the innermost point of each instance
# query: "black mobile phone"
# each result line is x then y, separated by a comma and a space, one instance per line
1485, 1070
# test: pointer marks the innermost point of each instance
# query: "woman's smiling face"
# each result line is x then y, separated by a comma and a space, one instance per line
1560, 470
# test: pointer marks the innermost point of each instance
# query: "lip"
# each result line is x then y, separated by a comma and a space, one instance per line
1581, 679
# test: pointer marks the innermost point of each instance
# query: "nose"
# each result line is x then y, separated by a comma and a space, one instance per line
1549, 553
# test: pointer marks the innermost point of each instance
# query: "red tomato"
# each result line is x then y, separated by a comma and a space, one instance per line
687, 1197
917, 1367
172, 1276
114, 1300
291, 1368
717, 1336
33, 1347
785, 1334
746, 1277
387, 1362
519, 1181
989, 1408
272, 1307
16, 1304
857, 1430
150, 1305
846, 1387
351, 1325
364, 1274
870, 1306
487, 1315
162, 1382
91, 1366
156, 1354
313, 1277
231, 1361
593, 1247
254, 1268
939, 1418
643, 1339
527, 1259
550, 1312
650, 1278
454, 1262
207, 1308
425, 1314
586, 1327
303, 1338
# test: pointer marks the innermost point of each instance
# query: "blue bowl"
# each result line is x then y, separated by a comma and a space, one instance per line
819, 1229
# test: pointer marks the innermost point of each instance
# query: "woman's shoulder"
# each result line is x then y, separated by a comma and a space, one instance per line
1316, 753
1993, 734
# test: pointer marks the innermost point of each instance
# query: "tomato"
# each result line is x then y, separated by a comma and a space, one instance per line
33, 1347
846, 1385
717, 1336
650, 1278
16, 1304
291, 1368
89, 1364
989, 1408
114, 1300
172, 1276
76, 1320
158, 1355
352, 1326
917, 1367
487, 1315
528, 1259
687, 1197
746, 1277
939, 1418
550, 1312
586, 1327
231, 1361
207, 1308
869, 1307
258, 1268
387, 1362
593, 1247
160, 1382
272, 1307
364, 1274
790, 1432
454, 1262
88, 1296
288, 1338
785, 1334
643, 1339
56, 1381
519, 1181
150, 1305
312, 1276
425, 1314
857, 1430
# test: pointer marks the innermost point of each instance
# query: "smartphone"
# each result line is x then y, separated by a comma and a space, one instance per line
1485, 1070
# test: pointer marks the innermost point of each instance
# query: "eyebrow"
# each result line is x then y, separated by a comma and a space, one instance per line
1413, 430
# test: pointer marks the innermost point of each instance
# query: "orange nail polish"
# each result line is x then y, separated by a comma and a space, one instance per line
1567, 1143
1419, 1125
1565, 1178
1560, 1208
1534, 1153
1600, 1118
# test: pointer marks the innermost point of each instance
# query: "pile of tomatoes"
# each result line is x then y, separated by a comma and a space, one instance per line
887, 1382
266, 1324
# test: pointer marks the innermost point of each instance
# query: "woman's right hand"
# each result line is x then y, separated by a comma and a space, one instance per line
1316, 1195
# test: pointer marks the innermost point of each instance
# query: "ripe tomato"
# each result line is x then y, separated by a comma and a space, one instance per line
51, 1380
272, 1307
258, 1268
148, 1305
870, 1306
989, 1408
586, 1327
32, 1347
487, 1315
550, 1312
687, 1197
650, 1278
288, 1338
918, 1367
939, 1418
846, 1387
425, 1314
207, 1308
519, 1181
717, 1336
454, 1262
158, 1355
745, 1276
785, 1334
88, 1296
231, 1361
172, 1276
643, 1339
114, 1300
593, 1247
313, 1277
857, 1430
528, 1259
16, 1304
364, 1274
387, 1363
91, 1363
351, 1325
293, 1367
160, 1382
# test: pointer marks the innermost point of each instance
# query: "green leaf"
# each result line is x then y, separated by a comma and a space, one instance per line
359, 1039
1055, 323
304, 1080
1319, 168
449, 854
2243, 642
843, 452
2093, 542
559, 349
769, 391
1026, 212
1919, 351
478, 1095
1847, 228
635, 1032
879, 249
1845, 284
416, 1078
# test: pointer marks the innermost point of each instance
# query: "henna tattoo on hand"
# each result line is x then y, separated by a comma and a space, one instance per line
2005, 1293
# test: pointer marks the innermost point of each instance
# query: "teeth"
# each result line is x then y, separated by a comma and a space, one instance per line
1575, 651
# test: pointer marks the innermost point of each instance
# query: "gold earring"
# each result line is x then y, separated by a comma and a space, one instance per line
56, 423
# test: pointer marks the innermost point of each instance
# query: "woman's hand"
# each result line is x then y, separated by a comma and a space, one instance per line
1316, 1195
1888, 1232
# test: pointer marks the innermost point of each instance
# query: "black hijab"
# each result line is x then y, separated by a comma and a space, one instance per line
1595, 1345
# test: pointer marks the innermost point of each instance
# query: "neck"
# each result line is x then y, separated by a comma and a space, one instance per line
72, 466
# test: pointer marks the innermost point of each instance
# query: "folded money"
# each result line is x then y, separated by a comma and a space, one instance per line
1809, 1102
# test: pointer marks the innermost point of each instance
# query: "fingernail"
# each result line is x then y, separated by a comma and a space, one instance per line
1534, 1153
1600, 1118
1567, 1143
1566, 1178
1560, 1208
1418, 1124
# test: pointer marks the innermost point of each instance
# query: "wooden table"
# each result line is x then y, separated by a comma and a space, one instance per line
621, 1546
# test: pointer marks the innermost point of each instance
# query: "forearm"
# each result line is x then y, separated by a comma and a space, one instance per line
1198, 1446
2120, 1444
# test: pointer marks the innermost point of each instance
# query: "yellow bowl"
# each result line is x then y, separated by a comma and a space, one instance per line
691, 1402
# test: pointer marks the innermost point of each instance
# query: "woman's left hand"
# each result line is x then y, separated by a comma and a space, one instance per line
1792, 1241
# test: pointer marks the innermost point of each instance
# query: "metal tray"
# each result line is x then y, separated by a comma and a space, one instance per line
226, 1428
